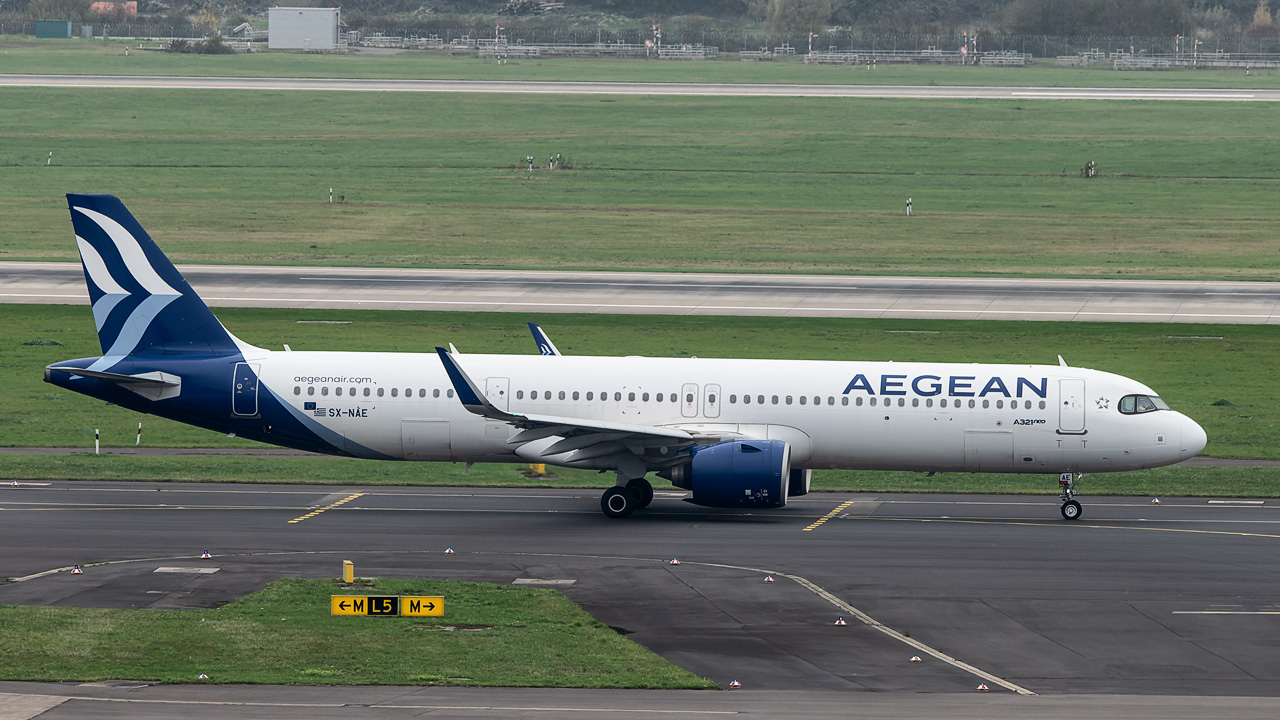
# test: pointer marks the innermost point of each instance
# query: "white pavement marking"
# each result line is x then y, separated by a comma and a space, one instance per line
23, 707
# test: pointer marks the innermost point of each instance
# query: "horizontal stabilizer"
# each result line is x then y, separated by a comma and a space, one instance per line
153, 385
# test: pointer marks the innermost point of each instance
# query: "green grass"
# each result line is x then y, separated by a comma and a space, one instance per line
28, 55
807, 185
518, 637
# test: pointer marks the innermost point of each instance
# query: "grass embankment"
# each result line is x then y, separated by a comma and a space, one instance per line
490, 635
1216, 381
67, 57
691, 184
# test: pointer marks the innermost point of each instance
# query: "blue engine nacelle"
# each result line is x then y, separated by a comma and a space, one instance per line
741, 473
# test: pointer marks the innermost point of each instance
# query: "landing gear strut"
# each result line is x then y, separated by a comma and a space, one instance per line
1070, 508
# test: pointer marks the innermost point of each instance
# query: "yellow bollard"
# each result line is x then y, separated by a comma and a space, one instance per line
539, 468
348, 572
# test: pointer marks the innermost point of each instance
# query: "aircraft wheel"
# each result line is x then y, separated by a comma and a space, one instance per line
1071, 510
643, 490
619, 502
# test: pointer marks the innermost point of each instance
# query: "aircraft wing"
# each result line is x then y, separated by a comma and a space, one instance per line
569, 440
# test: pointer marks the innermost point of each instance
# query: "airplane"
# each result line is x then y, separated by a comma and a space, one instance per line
735, 433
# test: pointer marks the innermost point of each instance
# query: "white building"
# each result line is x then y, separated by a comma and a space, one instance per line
303, 28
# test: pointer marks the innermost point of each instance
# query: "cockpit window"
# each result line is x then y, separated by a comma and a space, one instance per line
1136, 404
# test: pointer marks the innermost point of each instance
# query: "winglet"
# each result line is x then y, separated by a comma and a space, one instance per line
470, 396
545, 345
1061, 362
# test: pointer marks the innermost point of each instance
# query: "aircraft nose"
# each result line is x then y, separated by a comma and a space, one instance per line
1193, 438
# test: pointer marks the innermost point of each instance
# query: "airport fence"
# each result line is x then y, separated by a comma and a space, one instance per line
735, 40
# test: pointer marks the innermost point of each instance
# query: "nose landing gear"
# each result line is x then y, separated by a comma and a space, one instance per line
1070, 508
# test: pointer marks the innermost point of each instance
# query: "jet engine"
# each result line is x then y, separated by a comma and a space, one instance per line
741, 473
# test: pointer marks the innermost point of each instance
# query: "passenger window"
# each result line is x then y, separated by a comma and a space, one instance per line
519, 394
337, 391
928, 403
760, 400
395, 392
688, 397
832, 401
368, 392
436, 393
422, 392
408, 392
561, 395
449, 392
1041, 404
324, 391
381, 391
804, 400
617, 397
591, 395
985, 403
788, 399
873, 402
711, 398
943, 402
972, 403
859, 401
645, 397
311, 390
902, 402
1000, 404
297, 389
775, 399
915, 402
631, 397
817, 400
575, 394
733, 399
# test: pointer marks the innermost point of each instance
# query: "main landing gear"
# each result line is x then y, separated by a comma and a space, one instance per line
620, 501
1070, 508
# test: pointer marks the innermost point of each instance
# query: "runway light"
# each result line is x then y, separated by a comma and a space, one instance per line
734, 684
76, 570
205, 554
448, 550
915, 659
982, 688
674, 561
840, 621
768, 579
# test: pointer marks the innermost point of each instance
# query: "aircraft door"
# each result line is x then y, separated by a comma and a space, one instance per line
689, 400
1071, 406
497, 390
244, 390
425, 439
711, 401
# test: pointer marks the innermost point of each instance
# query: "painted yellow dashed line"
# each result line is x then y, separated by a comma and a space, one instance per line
314, 513
839, 509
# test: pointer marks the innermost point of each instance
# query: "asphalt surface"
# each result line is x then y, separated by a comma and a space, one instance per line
1122, 612
638, 88
688, 293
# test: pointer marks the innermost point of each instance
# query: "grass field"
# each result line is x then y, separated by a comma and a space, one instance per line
1217, 382
28, 55
691, 184
501, 636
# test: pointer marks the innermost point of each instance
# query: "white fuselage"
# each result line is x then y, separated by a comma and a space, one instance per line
849, 415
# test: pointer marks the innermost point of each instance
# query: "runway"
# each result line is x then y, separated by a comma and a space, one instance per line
638, 88
1132, 607
538, 292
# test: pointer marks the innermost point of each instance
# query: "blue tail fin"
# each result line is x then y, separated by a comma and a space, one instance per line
141, 303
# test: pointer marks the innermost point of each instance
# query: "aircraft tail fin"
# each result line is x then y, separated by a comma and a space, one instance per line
141, 303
